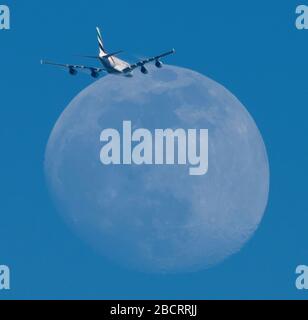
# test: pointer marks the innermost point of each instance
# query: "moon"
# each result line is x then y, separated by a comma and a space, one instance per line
159, 219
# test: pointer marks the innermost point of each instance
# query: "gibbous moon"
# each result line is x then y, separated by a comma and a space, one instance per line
158, 218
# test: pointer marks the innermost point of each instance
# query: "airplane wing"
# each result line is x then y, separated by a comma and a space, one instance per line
95, 71
145, 61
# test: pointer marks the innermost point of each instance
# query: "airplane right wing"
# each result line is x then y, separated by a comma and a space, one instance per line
72, 68
145, 61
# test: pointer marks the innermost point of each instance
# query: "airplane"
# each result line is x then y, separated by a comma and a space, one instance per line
110, 63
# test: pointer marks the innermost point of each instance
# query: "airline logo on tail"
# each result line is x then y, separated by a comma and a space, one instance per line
102, 51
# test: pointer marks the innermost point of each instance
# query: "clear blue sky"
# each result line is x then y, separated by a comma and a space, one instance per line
251, 48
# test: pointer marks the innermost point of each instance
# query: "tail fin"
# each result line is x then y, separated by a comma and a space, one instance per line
102, 51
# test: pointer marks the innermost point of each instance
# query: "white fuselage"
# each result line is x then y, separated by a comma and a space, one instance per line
115, 65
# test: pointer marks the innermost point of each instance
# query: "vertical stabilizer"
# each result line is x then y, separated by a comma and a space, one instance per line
102, 51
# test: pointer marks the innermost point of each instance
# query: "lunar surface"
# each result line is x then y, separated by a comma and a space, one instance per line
158, 218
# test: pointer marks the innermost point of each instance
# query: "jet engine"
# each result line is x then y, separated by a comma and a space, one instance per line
72, 71
94, 74
144, 70
158, 64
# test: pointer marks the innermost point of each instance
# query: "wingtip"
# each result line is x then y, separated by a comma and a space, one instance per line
173, 50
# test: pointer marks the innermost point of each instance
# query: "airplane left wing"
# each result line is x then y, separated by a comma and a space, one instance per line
72, 68
145, 61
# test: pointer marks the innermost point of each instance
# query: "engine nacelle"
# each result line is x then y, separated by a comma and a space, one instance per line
144, 70
94, 74
72, 71
158, 64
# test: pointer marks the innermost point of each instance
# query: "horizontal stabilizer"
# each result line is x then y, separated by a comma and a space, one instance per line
105, 56
112, 54
91, 57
